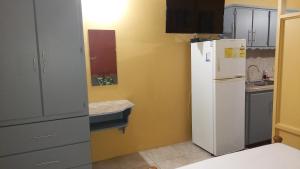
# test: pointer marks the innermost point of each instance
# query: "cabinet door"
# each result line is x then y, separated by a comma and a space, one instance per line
59, 27
229, 16
20, 95
244, 24
260, 122
273, 28
260, 28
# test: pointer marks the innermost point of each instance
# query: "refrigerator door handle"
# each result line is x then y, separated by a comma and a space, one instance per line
239, 76
231, 78
218, 64
207, 57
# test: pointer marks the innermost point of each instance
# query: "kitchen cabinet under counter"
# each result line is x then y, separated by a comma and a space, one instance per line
259, 107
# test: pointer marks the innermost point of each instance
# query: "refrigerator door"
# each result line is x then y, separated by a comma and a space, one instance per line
202, 97
229, 115
229, 58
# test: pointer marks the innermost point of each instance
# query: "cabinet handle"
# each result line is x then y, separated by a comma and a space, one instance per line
254, 36
249, 40
234, 23
232, 30
46, 163
44, 136
44, 61
34, 64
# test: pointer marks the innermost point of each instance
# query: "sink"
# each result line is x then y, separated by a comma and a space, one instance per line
263, 83
258, 86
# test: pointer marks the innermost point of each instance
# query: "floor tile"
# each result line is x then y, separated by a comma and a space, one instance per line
187, 148
168, 157
162, 154
107, 164
173, 163
131, 161
173, 156
147, 158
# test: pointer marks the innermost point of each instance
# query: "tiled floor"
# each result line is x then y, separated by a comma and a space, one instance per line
131, 161
174, 156
169, 157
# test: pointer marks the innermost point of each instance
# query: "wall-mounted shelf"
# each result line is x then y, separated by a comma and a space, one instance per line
111, 114
117, 120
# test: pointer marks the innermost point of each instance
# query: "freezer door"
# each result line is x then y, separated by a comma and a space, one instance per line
229, 58
229, 115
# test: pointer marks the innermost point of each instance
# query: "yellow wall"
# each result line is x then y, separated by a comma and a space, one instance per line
153, 73
286, 116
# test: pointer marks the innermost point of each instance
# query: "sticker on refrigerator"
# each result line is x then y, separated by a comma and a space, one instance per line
235, 53
242, 52
228, 52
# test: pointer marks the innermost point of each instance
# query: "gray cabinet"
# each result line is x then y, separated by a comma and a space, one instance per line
42, 64
57, 158
229, 24
256, 25
273, 26
43, 100
36, 136
63, 70
20, 96
83, 167
259, 117
243, 24
260, 28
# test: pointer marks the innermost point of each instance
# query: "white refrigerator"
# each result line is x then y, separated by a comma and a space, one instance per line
218, 71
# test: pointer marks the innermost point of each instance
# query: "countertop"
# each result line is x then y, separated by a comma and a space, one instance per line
254, 88
109, 107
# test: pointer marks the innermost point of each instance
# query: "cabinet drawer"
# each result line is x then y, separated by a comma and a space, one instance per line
56, 158
84, 167
37, 136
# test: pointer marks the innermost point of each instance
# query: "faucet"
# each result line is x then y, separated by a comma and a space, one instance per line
248, 74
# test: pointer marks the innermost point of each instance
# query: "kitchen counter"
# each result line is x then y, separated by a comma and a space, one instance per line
255, 88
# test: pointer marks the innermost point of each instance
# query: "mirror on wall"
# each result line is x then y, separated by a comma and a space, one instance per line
102, 44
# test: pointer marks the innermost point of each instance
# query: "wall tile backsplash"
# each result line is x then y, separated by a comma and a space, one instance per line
264, 59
